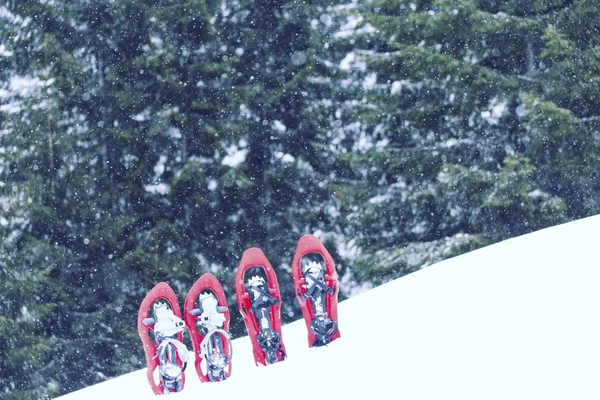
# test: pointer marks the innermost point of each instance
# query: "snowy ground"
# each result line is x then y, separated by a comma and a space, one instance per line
516, 320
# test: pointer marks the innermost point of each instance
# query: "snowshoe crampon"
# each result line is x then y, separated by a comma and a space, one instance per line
259, 302
316, 288
207, 319
164, 350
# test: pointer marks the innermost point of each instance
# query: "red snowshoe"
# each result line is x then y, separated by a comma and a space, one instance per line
316, 288
207, 320
164, 349
259, 302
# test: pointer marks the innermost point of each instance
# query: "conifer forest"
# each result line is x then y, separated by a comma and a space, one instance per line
144, 141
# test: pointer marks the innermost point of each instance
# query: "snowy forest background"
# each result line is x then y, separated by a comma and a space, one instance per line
155, 140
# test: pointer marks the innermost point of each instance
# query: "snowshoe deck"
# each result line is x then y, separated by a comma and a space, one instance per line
166, 350
316, 288
207, 319
259, 303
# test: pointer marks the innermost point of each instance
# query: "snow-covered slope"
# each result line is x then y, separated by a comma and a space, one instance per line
516, 320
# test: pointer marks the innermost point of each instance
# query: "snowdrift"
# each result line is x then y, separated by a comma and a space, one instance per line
515, 320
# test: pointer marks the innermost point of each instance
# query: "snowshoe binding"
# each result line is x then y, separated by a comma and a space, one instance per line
165, 351
259, 303
207, 319
316, 288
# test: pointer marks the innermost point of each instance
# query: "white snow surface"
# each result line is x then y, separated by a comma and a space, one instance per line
516, 320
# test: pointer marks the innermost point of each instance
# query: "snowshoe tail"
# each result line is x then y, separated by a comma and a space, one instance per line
259, 303
317, 292
176, 353
209, 329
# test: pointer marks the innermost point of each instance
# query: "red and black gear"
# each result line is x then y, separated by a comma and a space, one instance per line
207, 319
259, 303
160, 313
316, 288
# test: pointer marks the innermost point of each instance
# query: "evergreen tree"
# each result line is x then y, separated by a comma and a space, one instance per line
87, 168
463, 134
157, 140
162, 149
276, 54
26, 170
